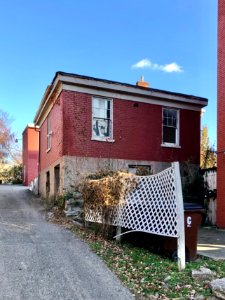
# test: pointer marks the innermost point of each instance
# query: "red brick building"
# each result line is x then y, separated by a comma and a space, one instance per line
221, 117
87, 124
30, 153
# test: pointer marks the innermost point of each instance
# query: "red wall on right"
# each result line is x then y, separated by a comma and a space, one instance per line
221, 117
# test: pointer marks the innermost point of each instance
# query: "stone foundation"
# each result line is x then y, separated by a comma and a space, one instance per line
43, 179
73, 169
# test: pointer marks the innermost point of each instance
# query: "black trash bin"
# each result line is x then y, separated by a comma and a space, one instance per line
192, 220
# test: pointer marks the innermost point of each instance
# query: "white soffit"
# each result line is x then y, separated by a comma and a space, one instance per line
136, 98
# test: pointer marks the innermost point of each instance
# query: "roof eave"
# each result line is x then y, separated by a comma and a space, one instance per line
61, 78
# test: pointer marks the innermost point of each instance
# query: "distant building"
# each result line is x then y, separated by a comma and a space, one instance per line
88, 124
221, 117
30, 153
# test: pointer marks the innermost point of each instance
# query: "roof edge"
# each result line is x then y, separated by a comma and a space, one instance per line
76, 79
126, 84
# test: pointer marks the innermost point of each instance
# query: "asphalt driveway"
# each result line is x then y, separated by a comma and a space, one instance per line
39, 260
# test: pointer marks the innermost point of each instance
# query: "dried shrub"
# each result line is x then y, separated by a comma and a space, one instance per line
100, 174
103, 195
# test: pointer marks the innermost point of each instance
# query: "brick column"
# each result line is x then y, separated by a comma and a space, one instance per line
221, 117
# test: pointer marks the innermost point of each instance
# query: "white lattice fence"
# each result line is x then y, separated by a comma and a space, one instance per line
155, 206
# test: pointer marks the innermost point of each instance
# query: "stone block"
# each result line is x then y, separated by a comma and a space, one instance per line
218, 288
203, 274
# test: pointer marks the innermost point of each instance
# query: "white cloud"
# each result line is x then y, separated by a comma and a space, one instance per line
146, 63
173, 67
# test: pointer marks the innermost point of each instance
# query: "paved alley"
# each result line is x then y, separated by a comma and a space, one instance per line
211, 242
39, 260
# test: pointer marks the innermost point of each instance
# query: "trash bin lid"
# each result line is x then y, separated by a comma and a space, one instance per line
193, 207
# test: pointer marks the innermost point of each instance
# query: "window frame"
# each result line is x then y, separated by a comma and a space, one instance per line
177, 132
49, 134
103, 138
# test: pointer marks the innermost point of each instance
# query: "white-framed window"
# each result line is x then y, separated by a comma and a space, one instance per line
170, 127
49, 134
102, 119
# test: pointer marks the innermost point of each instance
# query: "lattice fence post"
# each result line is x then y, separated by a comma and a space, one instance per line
118, 233
180, 218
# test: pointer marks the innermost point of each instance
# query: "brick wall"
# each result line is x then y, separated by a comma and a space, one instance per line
221, 117
47, 158
137, 135
30, 155
137, 131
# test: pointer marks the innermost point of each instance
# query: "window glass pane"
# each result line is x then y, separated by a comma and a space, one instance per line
95, 103
170, 117
174, 122
165, 113
108, 115
169, 135
95, 111
165, 121
101, 113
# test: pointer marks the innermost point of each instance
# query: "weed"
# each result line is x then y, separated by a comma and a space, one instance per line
52, 201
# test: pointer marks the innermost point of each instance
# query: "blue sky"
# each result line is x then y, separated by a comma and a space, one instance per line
173, 43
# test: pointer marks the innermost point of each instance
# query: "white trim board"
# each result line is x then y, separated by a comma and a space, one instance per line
114, 95
99, 84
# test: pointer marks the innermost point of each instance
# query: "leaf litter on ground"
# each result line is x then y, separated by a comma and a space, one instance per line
147, 275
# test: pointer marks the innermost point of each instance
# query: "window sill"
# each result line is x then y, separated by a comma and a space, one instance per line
170, 146
107, 140
48, 150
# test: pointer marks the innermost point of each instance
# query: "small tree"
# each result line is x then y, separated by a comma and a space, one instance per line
15, 174
208, 154
9, 150
193, 185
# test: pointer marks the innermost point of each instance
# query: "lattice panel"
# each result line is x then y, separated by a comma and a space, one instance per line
151, 207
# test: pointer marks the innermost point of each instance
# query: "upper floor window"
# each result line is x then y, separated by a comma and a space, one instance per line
101, 119
170, 127
49, 134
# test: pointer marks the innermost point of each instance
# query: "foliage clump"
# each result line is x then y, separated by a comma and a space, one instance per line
9, 150
208, 154
193, 186
55, 201
143, 171
10, 173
